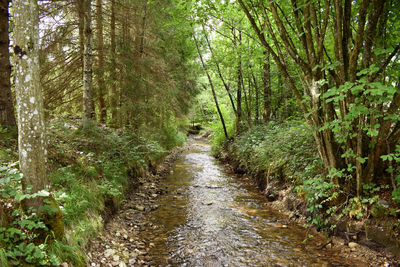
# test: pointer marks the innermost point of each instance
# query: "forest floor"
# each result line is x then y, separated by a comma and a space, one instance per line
120, 243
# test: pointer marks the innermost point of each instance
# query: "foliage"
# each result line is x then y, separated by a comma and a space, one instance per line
285, 150
217, 136
394, 170
318, 191
20, 232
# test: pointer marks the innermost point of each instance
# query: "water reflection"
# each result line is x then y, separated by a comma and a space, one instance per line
212, 218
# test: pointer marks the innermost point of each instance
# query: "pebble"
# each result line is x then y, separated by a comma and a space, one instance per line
353, 245
125, 254
140, 208
109, 252
116, 258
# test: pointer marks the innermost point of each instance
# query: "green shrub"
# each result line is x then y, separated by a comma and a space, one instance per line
22, 229
217, 136
283, 149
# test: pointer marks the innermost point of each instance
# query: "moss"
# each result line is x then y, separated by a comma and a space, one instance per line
54, 219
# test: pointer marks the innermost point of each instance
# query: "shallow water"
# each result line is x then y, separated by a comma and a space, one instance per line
209, 217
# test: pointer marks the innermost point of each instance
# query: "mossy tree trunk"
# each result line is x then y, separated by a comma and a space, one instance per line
31, 124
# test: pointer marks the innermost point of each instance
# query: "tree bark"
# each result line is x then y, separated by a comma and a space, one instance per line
113, 54
248, 104
100, 55
239, 87
88, 102
31, 125
80, 8
257, 93
7, 117
267, 88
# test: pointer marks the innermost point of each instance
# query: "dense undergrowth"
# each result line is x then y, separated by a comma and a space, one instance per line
284, 155
90, 170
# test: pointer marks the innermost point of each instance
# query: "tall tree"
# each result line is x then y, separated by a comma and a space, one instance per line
219, 70
6, 105
267, 87
237, 40
211, 85
80, 9
257, 100
31, 125
88, 102
100, 55
113, 54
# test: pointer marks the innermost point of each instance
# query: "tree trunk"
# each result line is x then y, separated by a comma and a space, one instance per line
257, 113
31, 125
239, 88
219, 72
80, 8
113, 92
7, 117
248, 104
88, 103
212, 88
100, 54
267, 88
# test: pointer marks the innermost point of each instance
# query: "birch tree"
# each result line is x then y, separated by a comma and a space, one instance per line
31, 125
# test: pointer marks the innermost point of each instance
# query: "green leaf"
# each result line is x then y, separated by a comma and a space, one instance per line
361, 160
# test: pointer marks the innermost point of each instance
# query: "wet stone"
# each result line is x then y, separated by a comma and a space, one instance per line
139, 208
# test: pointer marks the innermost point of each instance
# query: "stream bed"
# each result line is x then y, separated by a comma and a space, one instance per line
209, 217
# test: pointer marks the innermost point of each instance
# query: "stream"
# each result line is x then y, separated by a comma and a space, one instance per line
208, 217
